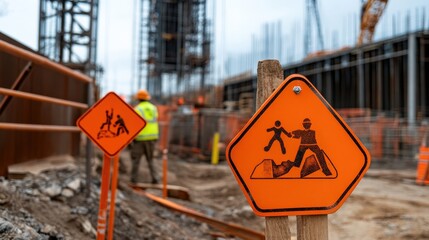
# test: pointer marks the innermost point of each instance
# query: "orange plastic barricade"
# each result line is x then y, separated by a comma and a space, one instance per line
423, 166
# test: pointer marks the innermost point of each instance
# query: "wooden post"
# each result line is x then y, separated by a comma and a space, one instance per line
270, 75
312, 227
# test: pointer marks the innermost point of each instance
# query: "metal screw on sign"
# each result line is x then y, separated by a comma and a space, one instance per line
297, 89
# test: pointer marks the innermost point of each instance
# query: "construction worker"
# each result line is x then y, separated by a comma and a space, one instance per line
144, 143
308, 142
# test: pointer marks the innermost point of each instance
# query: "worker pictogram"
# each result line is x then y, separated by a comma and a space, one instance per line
119, 125
312, 164
296, 155
111, 123
278, 130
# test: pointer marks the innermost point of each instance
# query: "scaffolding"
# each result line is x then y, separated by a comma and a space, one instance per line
312, 10
68, 33
173, 48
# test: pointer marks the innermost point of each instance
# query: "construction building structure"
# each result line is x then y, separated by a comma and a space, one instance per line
382, 83
381, 80
173, 47
68, 33
387, 76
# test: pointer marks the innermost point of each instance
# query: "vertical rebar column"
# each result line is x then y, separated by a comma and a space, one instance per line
361, 79
422, 77
179, 73
89, 148
140, 49
42, 27
412, 62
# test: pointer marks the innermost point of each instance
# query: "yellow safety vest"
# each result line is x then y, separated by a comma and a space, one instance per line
150, 113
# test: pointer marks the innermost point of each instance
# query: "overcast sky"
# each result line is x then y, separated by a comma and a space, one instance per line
235, 23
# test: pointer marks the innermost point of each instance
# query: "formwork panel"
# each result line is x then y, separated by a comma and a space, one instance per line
21, 146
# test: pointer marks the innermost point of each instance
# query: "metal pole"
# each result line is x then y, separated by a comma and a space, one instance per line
89, 149
361, 83
16, 85
42, 61
41, 98
37, 127
412, 78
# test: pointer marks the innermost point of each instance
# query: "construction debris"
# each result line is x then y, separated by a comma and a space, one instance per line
53, 205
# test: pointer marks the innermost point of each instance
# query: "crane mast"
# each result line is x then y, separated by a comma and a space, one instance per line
370, 15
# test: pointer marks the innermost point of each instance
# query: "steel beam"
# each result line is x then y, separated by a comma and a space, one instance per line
412, 79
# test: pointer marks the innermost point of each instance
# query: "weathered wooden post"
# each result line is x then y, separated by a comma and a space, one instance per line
270, 75
312, 227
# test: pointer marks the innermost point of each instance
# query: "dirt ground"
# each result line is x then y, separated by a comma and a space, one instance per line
387, 204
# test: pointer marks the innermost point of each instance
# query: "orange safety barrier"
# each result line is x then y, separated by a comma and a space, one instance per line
423, 166
42, 61
45, 62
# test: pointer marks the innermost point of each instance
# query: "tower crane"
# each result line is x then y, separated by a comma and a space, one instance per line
370, 15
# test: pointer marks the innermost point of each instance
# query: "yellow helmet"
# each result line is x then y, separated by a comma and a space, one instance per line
143, 95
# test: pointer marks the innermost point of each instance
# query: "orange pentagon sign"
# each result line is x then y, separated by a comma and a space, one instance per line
111, 123
296, 155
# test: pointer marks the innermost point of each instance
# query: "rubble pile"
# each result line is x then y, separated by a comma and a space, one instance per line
54, 205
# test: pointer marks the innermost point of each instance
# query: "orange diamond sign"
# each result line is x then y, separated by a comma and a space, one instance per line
296, 155
111, 124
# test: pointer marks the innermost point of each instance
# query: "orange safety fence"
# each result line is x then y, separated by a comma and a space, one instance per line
192, 132
38, 95
45, 62
388, 137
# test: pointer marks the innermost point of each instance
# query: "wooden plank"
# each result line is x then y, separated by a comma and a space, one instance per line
270, 75
277, 228
35, 167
